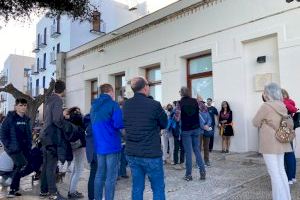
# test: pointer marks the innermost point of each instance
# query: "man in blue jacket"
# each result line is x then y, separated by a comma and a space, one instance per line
106, 118
143, 120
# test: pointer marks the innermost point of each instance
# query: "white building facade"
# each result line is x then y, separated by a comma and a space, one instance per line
227, 50
62, 34
15, 71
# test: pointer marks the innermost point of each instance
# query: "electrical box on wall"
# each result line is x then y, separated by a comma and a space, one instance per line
261, 59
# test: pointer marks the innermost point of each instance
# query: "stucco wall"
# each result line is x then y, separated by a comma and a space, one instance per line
224, 28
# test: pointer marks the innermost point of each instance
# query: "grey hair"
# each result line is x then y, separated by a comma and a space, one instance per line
273, 92
185, 92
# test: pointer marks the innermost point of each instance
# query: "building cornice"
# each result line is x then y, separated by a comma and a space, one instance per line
146, 27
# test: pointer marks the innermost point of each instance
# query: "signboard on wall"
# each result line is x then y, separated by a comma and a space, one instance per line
261, 80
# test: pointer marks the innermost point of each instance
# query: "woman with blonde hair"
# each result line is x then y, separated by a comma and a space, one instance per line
268, 119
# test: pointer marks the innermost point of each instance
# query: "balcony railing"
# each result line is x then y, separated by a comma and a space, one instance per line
53, 57
35, 69
55, 32
42, 42
35, 47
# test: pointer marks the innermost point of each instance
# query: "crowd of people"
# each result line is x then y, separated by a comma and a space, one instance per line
137, 132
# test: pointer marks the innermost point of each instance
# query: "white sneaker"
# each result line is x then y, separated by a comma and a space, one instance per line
291, 182
294, 180
1, 180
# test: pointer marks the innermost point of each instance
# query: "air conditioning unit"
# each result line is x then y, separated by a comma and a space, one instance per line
132, 5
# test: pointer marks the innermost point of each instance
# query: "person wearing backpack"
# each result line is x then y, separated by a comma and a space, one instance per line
207, 130
268, 119
289, 157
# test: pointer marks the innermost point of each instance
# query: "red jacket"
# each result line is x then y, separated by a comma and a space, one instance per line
290, 105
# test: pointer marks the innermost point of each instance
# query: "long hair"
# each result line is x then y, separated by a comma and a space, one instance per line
228, 107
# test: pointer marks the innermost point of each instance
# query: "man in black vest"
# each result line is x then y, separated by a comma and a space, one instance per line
143, 120
190, 125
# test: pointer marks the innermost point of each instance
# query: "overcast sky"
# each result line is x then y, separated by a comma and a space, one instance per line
17, 38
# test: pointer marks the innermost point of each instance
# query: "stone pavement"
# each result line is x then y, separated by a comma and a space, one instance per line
231, 177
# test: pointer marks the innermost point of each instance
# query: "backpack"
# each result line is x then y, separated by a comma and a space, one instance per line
285, 133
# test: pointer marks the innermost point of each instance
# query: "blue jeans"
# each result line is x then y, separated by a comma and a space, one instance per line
93, 170
106, 175
191, 141
153, 168
123, 163
290, 164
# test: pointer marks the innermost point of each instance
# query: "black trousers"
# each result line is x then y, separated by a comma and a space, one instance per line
93, 170
178, 148
48, 175
20, 162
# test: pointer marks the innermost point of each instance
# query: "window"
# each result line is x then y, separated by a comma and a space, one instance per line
154, 78
44, 61
44, 81
37, 87
199, 76
45, 36
58, 48
37, 64
94, 89
120, 84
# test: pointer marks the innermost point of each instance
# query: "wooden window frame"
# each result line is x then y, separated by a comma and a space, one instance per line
152, 83
198, 75
92, 91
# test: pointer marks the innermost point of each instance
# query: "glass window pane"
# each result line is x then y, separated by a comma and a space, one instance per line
155, 92
202, 87
154, 75
200, 65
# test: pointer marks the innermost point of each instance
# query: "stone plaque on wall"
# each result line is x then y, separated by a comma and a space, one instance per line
261, 80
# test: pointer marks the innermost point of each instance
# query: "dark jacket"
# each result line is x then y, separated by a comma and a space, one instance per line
106, 118
143, 120
77, 120
16, 134
89, 138
189, 114
53, 126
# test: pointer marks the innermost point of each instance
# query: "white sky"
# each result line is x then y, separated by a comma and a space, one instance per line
17, 38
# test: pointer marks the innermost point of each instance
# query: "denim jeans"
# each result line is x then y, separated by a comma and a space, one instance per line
290, 164
123, 163
191, 141
93, 170
153, 168
79, 156
48, 175
106, 175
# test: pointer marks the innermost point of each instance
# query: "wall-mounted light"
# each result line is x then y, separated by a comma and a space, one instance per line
114, 33
261, 59
100, 50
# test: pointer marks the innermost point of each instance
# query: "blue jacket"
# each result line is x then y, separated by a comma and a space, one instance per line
205, 119
106, 118
89, 138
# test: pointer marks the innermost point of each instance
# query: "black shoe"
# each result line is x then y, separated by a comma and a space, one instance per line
44, 195
13, 194
207, 163
227, 151
75, 195
56, 196
188, 178
223, 151
202, 175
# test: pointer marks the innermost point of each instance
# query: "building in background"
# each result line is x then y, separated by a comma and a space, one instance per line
16, 70
227, 50
62, 34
